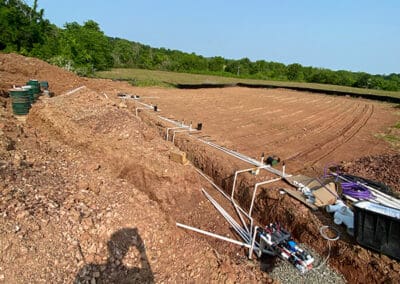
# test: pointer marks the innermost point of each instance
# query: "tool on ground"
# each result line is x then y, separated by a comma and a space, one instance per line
276, 241
272, 160
272, 240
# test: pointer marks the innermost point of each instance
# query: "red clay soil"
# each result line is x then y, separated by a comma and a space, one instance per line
307, 130
17, 70
89, 193
384, 168
357, 264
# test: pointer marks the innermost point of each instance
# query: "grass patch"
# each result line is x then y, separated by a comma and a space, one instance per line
142, 77
392, 136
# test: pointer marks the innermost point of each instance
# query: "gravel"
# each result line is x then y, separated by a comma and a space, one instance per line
285, 272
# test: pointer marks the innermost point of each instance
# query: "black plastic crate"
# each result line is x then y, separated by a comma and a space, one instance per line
377, 227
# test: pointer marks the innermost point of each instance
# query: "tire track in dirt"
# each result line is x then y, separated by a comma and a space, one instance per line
317, 127
328, 146
234, 133
363, 121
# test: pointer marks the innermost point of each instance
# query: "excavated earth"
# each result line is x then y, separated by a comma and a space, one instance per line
88, 192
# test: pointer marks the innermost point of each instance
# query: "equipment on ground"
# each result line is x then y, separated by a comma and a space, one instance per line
276, 241
272, 160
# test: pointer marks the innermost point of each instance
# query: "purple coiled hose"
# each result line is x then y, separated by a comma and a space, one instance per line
356, 190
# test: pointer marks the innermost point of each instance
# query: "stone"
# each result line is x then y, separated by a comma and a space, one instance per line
22, 215
96, 274
122, 105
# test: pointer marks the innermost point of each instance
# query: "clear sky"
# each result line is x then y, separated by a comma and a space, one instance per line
356, 35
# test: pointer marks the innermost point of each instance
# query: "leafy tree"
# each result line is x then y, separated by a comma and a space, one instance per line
21, 27
84, 48
86, 45
294, 72
216, 64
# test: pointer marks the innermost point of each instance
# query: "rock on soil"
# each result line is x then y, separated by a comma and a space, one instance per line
89, 194
383, 168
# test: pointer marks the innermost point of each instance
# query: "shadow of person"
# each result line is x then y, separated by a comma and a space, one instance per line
117, 269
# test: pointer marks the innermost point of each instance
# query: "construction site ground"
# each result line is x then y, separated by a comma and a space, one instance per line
88, 192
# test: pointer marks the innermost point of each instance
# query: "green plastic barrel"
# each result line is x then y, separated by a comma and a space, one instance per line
44, 85
31, 93
21, 102
35, 85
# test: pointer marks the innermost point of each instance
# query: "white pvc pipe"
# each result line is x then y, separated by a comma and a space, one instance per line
253, 241
75, 90
233, 153
235, 177
172, 128
177, 123
255, 190
243, 157
146, 105
241, 219
136, 110
382, 198
345, 216
213, 235
180, 131
245, 236
242, 171
213, 184
228, 217
238, 208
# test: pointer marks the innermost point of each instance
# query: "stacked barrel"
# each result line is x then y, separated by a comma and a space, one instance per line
23, 97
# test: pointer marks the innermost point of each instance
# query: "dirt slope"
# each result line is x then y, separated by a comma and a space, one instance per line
17, 70
89, 194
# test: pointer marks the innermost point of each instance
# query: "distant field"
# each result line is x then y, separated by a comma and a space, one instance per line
141, 77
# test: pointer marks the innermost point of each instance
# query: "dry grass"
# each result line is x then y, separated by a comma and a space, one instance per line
142, 77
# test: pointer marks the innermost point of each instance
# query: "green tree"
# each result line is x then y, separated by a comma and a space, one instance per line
217, 64
21, 26
86, 46
294, 72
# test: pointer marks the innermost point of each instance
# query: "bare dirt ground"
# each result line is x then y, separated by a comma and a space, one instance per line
88, 192
306, 130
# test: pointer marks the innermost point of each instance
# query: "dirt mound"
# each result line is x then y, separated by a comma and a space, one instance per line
88, 193
383, 168
96, 186
17, 70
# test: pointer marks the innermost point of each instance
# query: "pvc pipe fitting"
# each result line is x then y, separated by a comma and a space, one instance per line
337, 206
345, 216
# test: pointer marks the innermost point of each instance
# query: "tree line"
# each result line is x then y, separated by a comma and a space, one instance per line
85, 48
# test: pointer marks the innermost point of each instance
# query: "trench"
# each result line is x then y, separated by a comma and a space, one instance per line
271, 205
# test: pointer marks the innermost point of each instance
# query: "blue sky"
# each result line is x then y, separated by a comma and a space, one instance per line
356, 35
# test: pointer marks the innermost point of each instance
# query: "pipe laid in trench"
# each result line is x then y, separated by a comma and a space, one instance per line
213, 235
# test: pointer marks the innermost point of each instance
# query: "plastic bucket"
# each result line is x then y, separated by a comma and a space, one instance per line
44, 85
35, 85
31, 93
21, 101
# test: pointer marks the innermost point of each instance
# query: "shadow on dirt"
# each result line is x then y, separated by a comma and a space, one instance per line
116, 269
